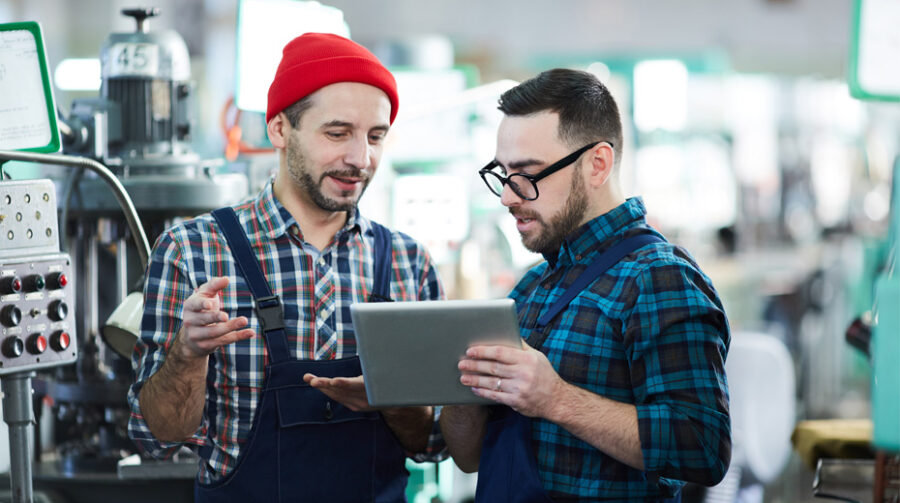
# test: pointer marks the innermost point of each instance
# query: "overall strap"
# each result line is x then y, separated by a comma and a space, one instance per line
268, 306
382, 258
606, 260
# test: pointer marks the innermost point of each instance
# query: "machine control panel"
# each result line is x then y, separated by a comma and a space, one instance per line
36, 322
37, 294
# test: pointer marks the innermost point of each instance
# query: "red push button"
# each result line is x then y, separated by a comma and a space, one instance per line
10, 284
36, 344
60, 340
57, 280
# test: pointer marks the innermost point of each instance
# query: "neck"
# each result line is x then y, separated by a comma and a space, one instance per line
317, 225
607, 199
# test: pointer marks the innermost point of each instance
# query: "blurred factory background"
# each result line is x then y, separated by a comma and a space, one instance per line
741, 135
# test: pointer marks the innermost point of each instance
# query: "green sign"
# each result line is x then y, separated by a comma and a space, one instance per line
875, 50
27, 112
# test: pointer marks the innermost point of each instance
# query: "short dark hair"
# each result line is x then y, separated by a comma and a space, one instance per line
295, 111
587, 111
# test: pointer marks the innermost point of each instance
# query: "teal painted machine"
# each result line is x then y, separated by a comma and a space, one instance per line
886, 336
873, 76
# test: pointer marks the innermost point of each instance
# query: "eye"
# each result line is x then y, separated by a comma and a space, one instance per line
337, 135
376, 138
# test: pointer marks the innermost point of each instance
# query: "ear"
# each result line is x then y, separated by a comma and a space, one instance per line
278, 128
601, 159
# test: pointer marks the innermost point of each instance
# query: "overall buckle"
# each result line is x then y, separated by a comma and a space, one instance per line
270, 313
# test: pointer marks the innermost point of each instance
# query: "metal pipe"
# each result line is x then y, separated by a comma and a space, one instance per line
122, 197
18, 414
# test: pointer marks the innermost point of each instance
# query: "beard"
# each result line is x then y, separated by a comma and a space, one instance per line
301, 174
551, 234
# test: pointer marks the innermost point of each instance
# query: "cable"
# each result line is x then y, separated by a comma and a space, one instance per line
122, 197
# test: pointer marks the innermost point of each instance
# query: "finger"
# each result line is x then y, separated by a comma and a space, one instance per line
485, 367
497, 396
232, 337
218, 330
202, 318
199, 303
212, 287
502, 354
490, 383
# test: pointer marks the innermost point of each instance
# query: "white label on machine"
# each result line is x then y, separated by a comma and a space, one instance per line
133, 59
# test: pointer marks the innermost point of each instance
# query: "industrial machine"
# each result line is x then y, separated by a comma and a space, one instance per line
134, 139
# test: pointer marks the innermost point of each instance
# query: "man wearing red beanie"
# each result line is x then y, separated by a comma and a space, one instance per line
248, 354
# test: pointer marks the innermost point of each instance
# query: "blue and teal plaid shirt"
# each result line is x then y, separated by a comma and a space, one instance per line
316, 291
650, 332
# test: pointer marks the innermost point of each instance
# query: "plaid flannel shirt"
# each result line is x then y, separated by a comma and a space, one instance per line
650, 332
316, 290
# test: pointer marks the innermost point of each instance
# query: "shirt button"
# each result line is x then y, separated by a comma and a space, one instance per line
321, 261
577, 257
323, 314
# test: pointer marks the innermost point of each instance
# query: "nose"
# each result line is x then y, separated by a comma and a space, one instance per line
359, 153
509, 198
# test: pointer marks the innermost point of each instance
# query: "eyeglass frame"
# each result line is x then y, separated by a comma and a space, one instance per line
534, 179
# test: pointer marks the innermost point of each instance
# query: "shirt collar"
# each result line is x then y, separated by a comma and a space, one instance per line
274, 217
582, 243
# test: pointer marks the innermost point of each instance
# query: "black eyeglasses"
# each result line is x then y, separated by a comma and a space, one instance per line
525, 186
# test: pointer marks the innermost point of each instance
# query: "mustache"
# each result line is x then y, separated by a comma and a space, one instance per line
354, 173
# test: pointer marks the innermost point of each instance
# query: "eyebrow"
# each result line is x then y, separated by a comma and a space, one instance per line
340, 123
524, 163
337, 123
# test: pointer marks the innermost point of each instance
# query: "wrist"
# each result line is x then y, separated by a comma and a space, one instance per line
182, 355
561, 405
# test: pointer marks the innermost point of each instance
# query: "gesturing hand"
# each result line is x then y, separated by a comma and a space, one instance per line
522, 378
205, 326
350, 391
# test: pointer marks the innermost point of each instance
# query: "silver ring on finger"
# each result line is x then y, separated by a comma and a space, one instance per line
499, 387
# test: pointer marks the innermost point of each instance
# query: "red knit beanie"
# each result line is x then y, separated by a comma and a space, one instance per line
315, 60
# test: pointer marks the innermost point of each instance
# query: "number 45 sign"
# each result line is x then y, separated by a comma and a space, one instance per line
133, 59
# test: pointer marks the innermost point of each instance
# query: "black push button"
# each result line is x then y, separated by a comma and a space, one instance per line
13, 347
11, 316
57, 310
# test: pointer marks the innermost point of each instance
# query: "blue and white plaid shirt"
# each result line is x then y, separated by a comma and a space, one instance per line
316, 290
650, 332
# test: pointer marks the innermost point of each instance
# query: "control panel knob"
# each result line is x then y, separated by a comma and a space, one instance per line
34, 283
57, 280
60, 341
57, 310
36, 344
13, 347
10, 285
11, 316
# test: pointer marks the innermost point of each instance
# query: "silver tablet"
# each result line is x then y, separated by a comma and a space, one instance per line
409, 350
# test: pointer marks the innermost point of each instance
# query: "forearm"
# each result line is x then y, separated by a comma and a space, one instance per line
172, 399
608, 425
411, 426
463, 428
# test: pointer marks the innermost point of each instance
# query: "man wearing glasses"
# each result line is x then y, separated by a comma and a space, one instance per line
620, 391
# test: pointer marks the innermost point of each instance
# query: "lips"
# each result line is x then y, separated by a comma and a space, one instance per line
346, 183
525, 221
